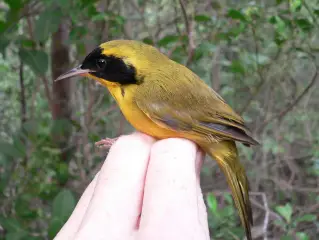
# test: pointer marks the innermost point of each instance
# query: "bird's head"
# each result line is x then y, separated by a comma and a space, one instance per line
118, 62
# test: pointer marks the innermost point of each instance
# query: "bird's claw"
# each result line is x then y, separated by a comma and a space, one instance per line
106, 143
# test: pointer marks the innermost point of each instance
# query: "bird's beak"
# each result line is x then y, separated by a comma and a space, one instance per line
74, 72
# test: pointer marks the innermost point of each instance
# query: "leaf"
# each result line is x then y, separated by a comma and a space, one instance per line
286, 237
10, 224
280, 24
206, 48
279, 1
63, 172
279, 38
285, 211
167, 40
63, 4
228, 197
90, 9
212, 203
304, 24
54, 227
227, 211
18, 144
295, 5
235, 14
302, 236
33, 237
252, 12
235, 31
260, 59
9, 150
27, 43
23, 209
14, 4
63, 205
272, 19
148, 41
119, 20
31, 127
16, 235
4, 42
37, 60
47, 23
61, 126
223, 36
77, 33
3, 26
100, 17
237, 67
51, 150
281, 29
202, 18
306, 218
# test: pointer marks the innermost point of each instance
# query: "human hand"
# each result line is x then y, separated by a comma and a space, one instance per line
145, 190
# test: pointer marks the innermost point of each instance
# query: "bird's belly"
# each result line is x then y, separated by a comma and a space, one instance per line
137, 118
143, 123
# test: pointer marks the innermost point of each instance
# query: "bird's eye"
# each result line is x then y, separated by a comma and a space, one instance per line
101, 63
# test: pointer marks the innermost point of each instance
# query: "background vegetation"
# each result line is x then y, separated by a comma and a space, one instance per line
262, 56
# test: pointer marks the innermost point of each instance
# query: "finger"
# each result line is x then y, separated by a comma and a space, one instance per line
70, 228
171, 206
115, 205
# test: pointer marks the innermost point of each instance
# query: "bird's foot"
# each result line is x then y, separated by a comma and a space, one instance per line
106, 143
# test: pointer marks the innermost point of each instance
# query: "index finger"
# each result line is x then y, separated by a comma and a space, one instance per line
115, 204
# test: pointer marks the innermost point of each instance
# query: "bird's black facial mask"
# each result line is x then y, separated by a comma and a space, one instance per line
109, 68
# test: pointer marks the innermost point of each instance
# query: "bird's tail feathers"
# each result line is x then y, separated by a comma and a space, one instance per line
225, 153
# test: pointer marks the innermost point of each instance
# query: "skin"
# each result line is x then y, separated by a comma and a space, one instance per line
165, 99
146, 181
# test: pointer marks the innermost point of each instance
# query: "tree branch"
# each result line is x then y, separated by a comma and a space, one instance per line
290, 106
22, 94
190, 34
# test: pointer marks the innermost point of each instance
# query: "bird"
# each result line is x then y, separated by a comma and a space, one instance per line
165, 99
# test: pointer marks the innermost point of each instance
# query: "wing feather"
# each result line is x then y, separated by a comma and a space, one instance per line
188, 104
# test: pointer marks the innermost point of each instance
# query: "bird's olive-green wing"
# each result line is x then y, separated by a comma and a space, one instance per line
190, 105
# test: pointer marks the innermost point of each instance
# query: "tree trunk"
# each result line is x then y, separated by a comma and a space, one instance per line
61, 89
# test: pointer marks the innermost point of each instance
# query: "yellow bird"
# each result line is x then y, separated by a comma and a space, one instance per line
165, 99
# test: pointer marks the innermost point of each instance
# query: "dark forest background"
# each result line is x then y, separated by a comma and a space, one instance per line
262, 56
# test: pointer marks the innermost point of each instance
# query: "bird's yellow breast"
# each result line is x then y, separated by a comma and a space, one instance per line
124, 96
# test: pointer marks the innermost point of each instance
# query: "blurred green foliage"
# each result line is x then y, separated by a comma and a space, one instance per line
261, 56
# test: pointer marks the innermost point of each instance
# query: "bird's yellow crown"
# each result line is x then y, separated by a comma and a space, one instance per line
133, 52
